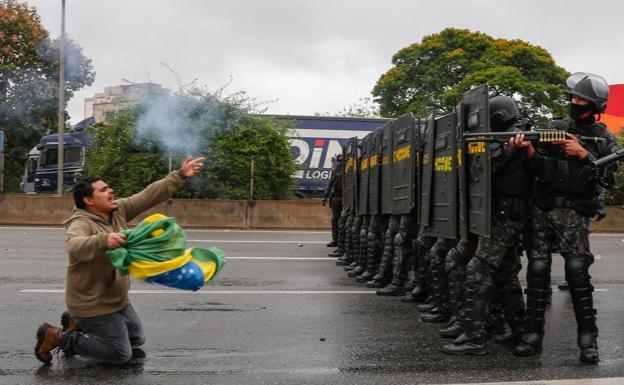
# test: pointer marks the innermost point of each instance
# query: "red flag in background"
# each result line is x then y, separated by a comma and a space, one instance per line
613, 117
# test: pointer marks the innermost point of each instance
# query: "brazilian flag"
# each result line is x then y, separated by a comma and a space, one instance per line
155, 252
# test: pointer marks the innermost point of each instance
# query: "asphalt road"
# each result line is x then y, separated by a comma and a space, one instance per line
284, 313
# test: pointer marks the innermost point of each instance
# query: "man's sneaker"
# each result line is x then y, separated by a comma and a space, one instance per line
332, 244
48, 339
68, 323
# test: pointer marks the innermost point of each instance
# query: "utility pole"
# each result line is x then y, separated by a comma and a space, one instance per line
251, 178
1, 160
61, 106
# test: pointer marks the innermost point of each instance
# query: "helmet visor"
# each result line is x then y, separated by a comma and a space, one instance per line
598, 84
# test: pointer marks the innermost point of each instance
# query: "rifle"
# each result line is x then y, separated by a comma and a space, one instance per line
542, 136
613, 157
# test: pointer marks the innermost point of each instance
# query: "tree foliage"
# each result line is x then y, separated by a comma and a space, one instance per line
133, 150
433, 75
127, 164
29, 82
362, 108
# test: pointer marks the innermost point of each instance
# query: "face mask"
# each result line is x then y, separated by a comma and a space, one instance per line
579, 112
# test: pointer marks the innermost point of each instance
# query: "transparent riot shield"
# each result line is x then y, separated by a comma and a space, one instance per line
478, 171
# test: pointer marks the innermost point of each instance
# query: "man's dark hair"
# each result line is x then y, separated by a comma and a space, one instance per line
83, 189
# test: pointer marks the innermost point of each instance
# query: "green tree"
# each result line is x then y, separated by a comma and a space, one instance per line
363, 108
126, 163
133, 149
29, 72
433, 75
229, 154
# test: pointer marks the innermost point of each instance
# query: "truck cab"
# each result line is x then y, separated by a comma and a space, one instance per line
75, 143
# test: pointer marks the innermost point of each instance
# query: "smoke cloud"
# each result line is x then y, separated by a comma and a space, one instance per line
177, 123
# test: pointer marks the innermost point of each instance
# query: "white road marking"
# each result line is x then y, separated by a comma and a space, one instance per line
261, 231
285, 258
62, 291
584, 381
190, 230
252, 241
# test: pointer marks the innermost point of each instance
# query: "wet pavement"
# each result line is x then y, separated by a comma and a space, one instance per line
283, 313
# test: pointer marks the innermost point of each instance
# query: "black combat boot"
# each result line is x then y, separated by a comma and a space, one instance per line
373, 250
456, 294
357, 270
394, 288
334, 254
364, 277
418, 295
473, 341
384, 270
440, 311
582, 299
340, 236
453, 329
495, 324
420, 263
531, 341
345, 260
427, 305
512, 301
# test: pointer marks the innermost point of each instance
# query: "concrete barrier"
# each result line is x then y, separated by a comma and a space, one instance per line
46, 210
612, 223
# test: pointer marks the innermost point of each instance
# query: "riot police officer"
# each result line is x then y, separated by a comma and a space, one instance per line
566, 193
333, 194
511, 188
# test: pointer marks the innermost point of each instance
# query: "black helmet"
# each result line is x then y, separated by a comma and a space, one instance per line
590, 87
502, 109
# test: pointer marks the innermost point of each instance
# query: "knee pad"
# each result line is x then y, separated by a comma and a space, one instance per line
538, 273
576, 271
399, 239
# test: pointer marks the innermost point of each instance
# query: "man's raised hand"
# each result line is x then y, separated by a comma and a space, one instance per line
191, 167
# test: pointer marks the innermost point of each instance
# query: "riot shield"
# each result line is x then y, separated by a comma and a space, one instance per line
374, 172
404, 164
462, 214
356, 176
386, 169
478, 171
343, 181
444, 197
364, 175
350, 174
425, 191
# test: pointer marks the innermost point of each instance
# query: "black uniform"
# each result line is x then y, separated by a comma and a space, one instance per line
333, 194
566, 198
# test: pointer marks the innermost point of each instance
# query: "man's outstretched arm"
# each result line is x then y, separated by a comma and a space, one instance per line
161, 190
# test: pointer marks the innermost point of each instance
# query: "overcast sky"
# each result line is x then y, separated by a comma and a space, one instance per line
314, 55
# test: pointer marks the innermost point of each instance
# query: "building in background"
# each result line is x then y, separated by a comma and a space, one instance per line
103, 106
